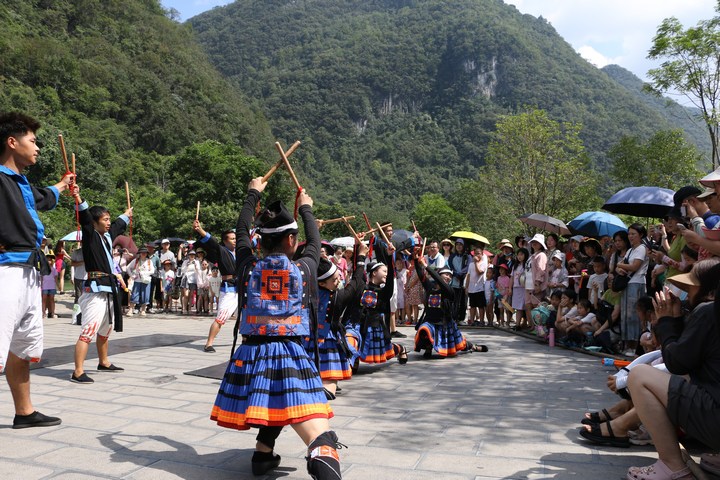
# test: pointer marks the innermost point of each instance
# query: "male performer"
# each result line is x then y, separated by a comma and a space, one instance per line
99, 301
270, 381
21, 234
224, 256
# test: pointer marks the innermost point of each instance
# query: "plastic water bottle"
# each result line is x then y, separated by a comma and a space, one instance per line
551, 337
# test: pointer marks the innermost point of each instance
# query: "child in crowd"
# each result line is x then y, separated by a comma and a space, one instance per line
167, 278
490, 295
598, 280
49, 288
567, 311
573, 275
559, 274
555, 297
503, 287
583, 323
215, 281
646, 314
203, 291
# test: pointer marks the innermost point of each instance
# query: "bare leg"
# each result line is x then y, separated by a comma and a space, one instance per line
44, 305
649, 388
392, 322
214, 330
51, 306
311, 429
102, 349
17, 372
331, 385
81, 349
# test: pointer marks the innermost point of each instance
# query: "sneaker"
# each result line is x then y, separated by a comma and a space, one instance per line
397, 334
209, 349
35, 419
83, 378
109, 368
640, 437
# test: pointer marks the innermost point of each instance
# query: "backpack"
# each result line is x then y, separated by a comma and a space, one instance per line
275, 300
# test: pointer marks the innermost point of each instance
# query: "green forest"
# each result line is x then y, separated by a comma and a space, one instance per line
396, 102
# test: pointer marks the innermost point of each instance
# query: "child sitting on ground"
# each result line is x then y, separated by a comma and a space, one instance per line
555, 298
583, 323
566, 312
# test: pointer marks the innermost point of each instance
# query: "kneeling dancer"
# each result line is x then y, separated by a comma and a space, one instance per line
332, 348
438, 331
270, 381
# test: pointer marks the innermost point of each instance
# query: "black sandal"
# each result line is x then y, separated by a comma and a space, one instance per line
403, 355
595, 435
479, 348
595, 418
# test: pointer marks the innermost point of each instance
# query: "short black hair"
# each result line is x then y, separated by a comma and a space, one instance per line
97, 212
272, 242
556, 294
570, 293
15, 124
599, 259
226, 233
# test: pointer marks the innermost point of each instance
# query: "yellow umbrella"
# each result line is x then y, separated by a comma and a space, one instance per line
470, 236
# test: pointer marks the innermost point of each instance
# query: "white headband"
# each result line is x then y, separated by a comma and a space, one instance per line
289, 226
329, 273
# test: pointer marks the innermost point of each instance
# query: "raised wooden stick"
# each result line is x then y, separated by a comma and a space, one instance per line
280, 162
64, 153
127, 194
367, 221
382, 233
73, 164
414, 227
373, 230
422, 251
337, 220
287, 165
352, 230
197, 212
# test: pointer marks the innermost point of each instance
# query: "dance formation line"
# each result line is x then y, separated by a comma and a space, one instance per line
301, 334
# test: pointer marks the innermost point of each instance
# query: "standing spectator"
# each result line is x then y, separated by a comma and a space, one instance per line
168, 282
536, 288
475, 285
574, 248
490, 296
675, 221
634, 264
215, 282
553, 245
49, 287
348, 256
558, 278
121, 257
590, 248
190, 270
78, 275
598, 281
166, 254
506, 294
340, 263
413, 295
155, 283
61, 256
203, 296
459, 265
517, 286
447, 250
141, 270
434, 258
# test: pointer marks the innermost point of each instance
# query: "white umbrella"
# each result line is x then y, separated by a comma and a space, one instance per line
72, 236
345, 242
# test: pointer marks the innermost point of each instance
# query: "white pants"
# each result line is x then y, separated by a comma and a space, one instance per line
227, 306
95, 316
21, 325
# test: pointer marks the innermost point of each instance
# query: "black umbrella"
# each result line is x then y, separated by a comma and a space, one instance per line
650, 202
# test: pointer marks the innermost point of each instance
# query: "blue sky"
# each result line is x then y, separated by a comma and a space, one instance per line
602, 31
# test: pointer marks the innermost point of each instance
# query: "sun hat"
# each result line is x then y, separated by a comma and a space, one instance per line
710, 179
559, 255
446, 241
444, 270
684, 280
709, 192
539, 238
594, 242
505, 243
577, 238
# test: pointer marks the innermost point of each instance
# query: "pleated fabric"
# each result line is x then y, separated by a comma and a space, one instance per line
334, 364
445, 340
375, 349
271, 384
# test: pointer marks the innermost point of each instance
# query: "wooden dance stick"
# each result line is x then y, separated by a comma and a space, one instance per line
367, 221
382, 233
422, 251
64, 153
337, 220
373, 230
280, 162
287, 165
352, 230
73, 164
197, 212
127, 194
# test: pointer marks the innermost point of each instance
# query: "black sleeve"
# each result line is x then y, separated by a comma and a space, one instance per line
243, 247
683, 345
212, 247
389, 287
353, 287
422, 275
311, 254
44, 198
447, 290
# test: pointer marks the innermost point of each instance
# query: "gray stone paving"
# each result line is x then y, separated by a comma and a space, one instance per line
511, 413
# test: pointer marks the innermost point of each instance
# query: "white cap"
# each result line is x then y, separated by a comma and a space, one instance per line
709, 179
164, 240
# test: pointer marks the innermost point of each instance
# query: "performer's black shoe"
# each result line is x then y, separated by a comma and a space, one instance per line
328, 394
323, 462
263, 462
397, 334
35, 419
427, 353
403, 355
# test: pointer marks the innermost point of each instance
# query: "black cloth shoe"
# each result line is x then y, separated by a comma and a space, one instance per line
323, 462
209, 349
111, 368
397, 334
82, 379
35, 419
263, 462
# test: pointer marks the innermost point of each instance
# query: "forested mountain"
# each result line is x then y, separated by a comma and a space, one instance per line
685, 118
401, 95
129, 88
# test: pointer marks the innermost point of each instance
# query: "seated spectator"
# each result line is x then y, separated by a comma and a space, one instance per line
583, 322
567, 311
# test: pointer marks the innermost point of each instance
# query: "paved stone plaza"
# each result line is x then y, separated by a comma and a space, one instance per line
510, 413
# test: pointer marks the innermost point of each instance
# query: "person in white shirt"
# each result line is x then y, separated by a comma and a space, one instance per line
475, 286
434, 258
141, 270
596, 284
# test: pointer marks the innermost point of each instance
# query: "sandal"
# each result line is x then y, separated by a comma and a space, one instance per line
595, 435
594, 417
658, 471
479, 348
402, 356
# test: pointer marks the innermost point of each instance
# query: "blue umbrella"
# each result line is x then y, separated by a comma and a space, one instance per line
596, 224
72, 237
651, 202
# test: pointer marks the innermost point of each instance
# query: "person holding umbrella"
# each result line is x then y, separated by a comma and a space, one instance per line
635, 265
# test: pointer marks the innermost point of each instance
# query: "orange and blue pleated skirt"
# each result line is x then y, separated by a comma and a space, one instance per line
334, 364
445, 340
374, 349
271, 384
